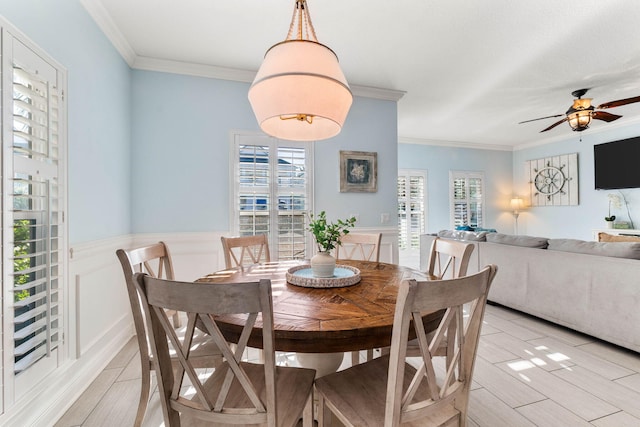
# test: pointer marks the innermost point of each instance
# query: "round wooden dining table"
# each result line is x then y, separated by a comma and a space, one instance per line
325, 320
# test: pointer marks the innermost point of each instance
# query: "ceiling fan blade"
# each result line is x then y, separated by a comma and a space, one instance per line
541, 118
554, 125
619, 102
603, 115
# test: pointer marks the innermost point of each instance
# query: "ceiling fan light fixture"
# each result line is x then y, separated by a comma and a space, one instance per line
579, 115
579, 120
300, 93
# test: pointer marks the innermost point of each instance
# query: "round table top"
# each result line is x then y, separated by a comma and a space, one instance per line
326, 320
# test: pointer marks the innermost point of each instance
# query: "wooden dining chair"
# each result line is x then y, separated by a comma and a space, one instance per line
447, 259
237, 392
360, 395
245, 250
155, 260
360, 246
365, 247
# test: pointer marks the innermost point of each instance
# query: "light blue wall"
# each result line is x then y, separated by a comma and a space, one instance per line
371, 126
438, 161
575, 221
180, 149
99, 120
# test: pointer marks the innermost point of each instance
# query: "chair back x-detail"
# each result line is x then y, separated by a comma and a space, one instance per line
246, 250
426, 396
236, 392
155, 260
360, 246
449, 259
364, 247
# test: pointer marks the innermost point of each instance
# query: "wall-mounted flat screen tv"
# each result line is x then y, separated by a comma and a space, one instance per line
617, 164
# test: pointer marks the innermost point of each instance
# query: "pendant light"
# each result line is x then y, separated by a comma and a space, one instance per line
300, 92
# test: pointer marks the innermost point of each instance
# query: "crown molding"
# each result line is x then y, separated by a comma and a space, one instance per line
113, 33
245, 76
102, 18
456, 144
191, 69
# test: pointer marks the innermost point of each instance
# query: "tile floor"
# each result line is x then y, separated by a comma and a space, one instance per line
528, 373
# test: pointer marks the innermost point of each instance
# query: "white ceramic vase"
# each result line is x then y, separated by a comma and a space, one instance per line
323, 264
609, 224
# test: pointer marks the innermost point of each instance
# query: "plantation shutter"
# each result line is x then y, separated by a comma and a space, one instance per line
272, 193
411, 209
467, 199
35, 199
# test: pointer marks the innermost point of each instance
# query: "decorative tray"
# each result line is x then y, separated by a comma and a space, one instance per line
343, 275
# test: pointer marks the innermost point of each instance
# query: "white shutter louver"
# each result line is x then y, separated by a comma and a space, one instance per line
467, 199
411, 209
37, 275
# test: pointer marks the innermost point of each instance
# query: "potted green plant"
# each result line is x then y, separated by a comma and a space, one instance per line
327, 236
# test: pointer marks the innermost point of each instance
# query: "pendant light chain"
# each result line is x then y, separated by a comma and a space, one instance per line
301, 17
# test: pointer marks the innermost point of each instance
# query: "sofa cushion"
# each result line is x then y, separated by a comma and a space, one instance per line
612, 249
463, 235
606, 237
526, 241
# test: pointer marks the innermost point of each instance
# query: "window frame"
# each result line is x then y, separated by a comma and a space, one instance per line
453, 175
260, 139
16, 47
408, 173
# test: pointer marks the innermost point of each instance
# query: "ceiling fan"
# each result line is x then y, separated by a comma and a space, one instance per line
579, 115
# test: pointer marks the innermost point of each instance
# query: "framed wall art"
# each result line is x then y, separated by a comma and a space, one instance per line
554, 180
358, 172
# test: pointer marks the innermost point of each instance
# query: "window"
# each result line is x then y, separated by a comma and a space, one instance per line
467, 198
34, 235
272, 192
411, 208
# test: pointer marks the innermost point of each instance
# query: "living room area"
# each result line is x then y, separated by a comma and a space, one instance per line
150, 149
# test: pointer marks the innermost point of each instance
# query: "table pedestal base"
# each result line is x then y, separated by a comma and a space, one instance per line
323, 363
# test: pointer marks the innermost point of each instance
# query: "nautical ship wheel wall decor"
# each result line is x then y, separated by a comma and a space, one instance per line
554, 180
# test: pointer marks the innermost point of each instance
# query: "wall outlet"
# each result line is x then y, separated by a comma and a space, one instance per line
384, 218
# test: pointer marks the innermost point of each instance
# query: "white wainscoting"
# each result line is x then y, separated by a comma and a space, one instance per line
99, 317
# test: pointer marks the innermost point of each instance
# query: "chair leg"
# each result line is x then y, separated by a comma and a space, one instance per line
355, 358
324, 415
307, 414
145, 388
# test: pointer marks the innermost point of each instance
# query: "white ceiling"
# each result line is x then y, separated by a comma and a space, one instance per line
471, 70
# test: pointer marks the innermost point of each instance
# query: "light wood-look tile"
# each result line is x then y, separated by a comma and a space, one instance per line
118, 407
82, 407
548, 413
549, 329
590, 382
632, 382
503, 386
487, 410
528, 352
619, 419
575, 399
560, 350
615, 394
511, 328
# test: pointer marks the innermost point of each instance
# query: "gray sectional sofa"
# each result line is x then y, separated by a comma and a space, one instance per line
591, 287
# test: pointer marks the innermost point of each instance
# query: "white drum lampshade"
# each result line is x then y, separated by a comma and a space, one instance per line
300, 92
